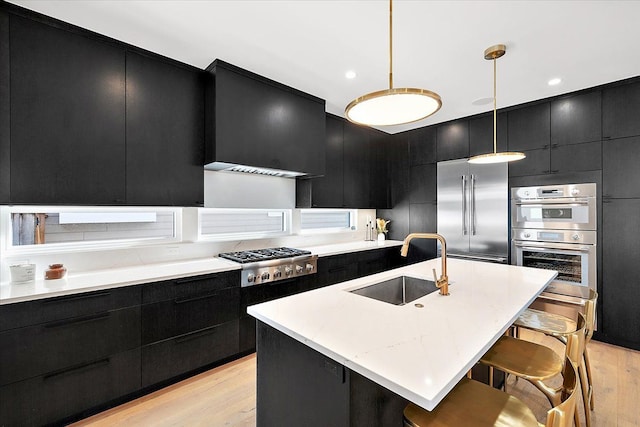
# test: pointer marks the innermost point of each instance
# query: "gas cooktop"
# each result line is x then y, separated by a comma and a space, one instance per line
258, 255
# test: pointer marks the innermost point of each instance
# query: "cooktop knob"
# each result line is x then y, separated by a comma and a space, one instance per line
288, 270
265, 276
277, 273
309, 267
250, 277
298, 269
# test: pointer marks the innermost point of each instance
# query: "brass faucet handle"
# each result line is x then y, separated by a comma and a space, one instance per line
435, 276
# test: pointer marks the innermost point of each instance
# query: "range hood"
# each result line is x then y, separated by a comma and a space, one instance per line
259, 126
229, 167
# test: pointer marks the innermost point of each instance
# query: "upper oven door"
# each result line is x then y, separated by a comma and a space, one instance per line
559, 214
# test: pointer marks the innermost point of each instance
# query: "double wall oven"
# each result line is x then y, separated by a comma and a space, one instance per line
555, 228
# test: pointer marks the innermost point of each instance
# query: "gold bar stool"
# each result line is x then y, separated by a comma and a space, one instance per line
560, 327
473, 404
537, 363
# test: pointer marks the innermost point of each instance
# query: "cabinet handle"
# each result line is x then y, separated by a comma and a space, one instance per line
185, 300
336, 269
77, 320
191, 280
555, 170
193, 335
78, 297
77, 369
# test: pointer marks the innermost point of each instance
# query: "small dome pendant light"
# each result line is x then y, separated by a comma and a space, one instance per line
393, 106
493, 53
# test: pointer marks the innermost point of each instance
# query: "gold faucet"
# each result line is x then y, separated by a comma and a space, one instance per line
443, 282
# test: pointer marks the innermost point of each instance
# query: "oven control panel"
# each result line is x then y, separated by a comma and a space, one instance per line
560, 236
267, 272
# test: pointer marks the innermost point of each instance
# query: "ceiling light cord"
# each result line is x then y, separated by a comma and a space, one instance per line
495, 103
390, 44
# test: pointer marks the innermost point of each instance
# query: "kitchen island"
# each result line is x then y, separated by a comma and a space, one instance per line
332, 357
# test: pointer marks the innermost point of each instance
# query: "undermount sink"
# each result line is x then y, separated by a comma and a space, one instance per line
399, 290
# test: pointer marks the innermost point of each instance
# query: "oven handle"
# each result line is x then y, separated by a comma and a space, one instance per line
529, 246
543, 202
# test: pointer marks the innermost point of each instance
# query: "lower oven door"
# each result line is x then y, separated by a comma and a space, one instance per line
575, 264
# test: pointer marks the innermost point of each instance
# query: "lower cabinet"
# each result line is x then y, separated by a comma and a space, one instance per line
55, 396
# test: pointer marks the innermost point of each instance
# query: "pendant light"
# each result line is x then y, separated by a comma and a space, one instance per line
493, 53
393, 106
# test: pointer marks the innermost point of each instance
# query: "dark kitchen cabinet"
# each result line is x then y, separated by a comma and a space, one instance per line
453, 140
164, 133
67, 116
423, 218
529, 127
357, 179
337, 268
620, 110
481, 134
620, 171
62, 356
254, 121
576, 157
188, 324
620, 270
377, 260
5, 111
379, 191
423, 183
49, 399
537, 162
422, 146
576, 118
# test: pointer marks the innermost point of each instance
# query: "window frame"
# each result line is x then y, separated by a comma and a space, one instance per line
353, 221
223, 237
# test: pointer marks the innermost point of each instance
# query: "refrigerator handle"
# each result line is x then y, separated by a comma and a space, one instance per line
472, 201
464, 205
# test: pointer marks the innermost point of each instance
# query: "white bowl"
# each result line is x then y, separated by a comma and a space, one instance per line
23, 273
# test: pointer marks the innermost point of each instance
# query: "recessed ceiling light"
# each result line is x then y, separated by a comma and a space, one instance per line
350, 74
554, 82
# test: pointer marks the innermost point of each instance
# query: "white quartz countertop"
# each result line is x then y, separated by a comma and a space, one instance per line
77, 282
418, 353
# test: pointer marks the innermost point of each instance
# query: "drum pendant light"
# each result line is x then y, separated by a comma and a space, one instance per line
393, 106
493, 53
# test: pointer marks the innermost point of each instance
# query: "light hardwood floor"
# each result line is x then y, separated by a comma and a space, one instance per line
226, 396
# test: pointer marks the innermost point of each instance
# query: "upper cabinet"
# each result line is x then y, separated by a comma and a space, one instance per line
529, 127
453, 140
67, 117
422, 146
165, 133
253, 121
576, 119
481, 134
94, 121
620, 107
5, 108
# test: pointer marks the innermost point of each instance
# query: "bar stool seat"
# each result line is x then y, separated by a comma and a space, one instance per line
548, 323
473, 404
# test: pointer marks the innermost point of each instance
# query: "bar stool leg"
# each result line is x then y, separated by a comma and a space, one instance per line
589, 378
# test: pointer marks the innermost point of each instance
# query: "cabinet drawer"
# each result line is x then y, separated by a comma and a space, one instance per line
53, 397
181, 315
337, 268
189, 287
167, 359
36, 350
51, 309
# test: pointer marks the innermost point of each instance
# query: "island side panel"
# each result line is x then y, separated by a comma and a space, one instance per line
297, 386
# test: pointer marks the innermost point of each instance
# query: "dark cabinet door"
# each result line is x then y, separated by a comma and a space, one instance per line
620, 171
422, 146
379, 189
620, 270
537, 162
620, 111
576, 157
266, 124
453, 140
67, 117
576, 119
337, 268
327, 191
481, 134
356, 166
54, 397
423, 183
5, 111
165, 133
529, 127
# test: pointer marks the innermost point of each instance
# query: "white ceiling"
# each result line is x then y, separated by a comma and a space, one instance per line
438, 45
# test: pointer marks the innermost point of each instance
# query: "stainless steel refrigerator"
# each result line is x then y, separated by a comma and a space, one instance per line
473, 205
